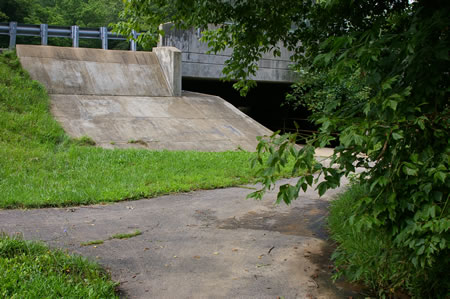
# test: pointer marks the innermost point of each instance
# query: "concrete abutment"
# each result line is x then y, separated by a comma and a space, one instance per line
134, 99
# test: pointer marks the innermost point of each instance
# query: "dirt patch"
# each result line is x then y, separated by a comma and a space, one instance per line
321, 258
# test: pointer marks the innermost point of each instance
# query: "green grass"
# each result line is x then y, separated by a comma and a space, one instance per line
41, 166
31, 270
127, 236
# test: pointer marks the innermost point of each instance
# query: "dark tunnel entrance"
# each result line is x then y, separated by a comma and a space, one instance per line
263, 103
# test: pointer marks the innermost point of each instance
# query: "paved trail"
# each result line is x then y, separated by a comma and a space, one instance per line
205, 244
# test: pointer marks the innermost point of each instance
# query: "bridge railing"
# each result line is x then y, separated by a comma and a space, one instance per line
44, 31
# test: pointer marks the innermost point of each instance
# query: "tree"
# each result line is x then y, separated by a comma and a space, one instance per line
14, 10
84, 13
3, 17
379, 78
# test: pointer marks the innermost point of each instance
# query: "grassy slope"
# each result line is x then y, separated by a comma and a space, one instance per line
31, 270
41, 166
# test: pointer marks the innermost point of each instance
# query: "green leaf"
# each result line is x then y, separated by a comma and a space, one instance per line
304, 187
397, 135
359, 140
410, 171
366, 109
440, 176
421, 250
393, 104
326, 124
323, 187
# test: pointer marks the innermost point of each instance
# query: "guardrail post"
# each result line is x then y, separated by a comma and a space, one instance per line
44, 34
104, 37
12, 34
75, 36
133, 44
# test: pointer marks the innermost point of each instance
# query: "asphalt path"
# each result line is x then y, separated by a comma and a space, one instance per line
203, 244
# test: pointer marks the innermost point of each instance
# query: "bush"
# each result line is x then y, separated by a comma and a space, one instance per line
369, 256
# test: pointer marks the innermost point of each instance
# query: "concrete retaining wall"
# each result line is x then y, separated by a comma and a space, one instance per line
126, 99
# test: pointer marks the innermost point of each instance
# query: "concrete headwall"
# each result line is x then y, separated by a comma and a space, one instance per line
170, 61
197, 63
126, 99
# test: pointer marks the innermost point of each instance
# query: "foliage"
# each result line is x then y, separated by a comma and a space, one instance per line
369, 256
41, 166
15, 10
84, 13
3, 17
392, 116
318, 93
31, 270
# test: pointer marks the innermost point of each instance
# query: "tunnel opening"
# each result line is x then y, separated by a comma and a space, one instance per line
264, 103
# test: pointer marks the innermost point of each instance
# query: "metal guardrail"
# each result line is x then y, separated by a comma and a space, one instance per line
44, 31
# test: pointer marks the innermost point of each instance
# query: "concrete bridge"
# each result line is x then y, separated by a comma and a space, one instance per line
198, 64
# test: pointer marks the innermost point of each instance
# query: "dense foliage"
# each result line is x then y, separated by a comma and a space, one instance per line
370, 256
376, 75
84, 13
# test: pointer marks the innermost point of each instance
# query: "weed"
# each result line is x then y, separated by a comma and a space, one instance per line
84, 141
126, 236
139, 141
89, 243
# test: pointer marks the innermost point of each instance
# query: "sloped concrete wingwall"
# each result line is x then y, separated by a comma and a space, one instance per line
133, 99
94, 71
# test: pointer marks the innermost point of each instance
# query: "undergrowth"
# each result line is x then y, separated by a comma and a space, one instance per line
369, 256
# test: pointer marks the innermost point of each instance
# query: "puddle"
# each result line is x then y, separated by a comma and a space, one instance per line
307, 221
